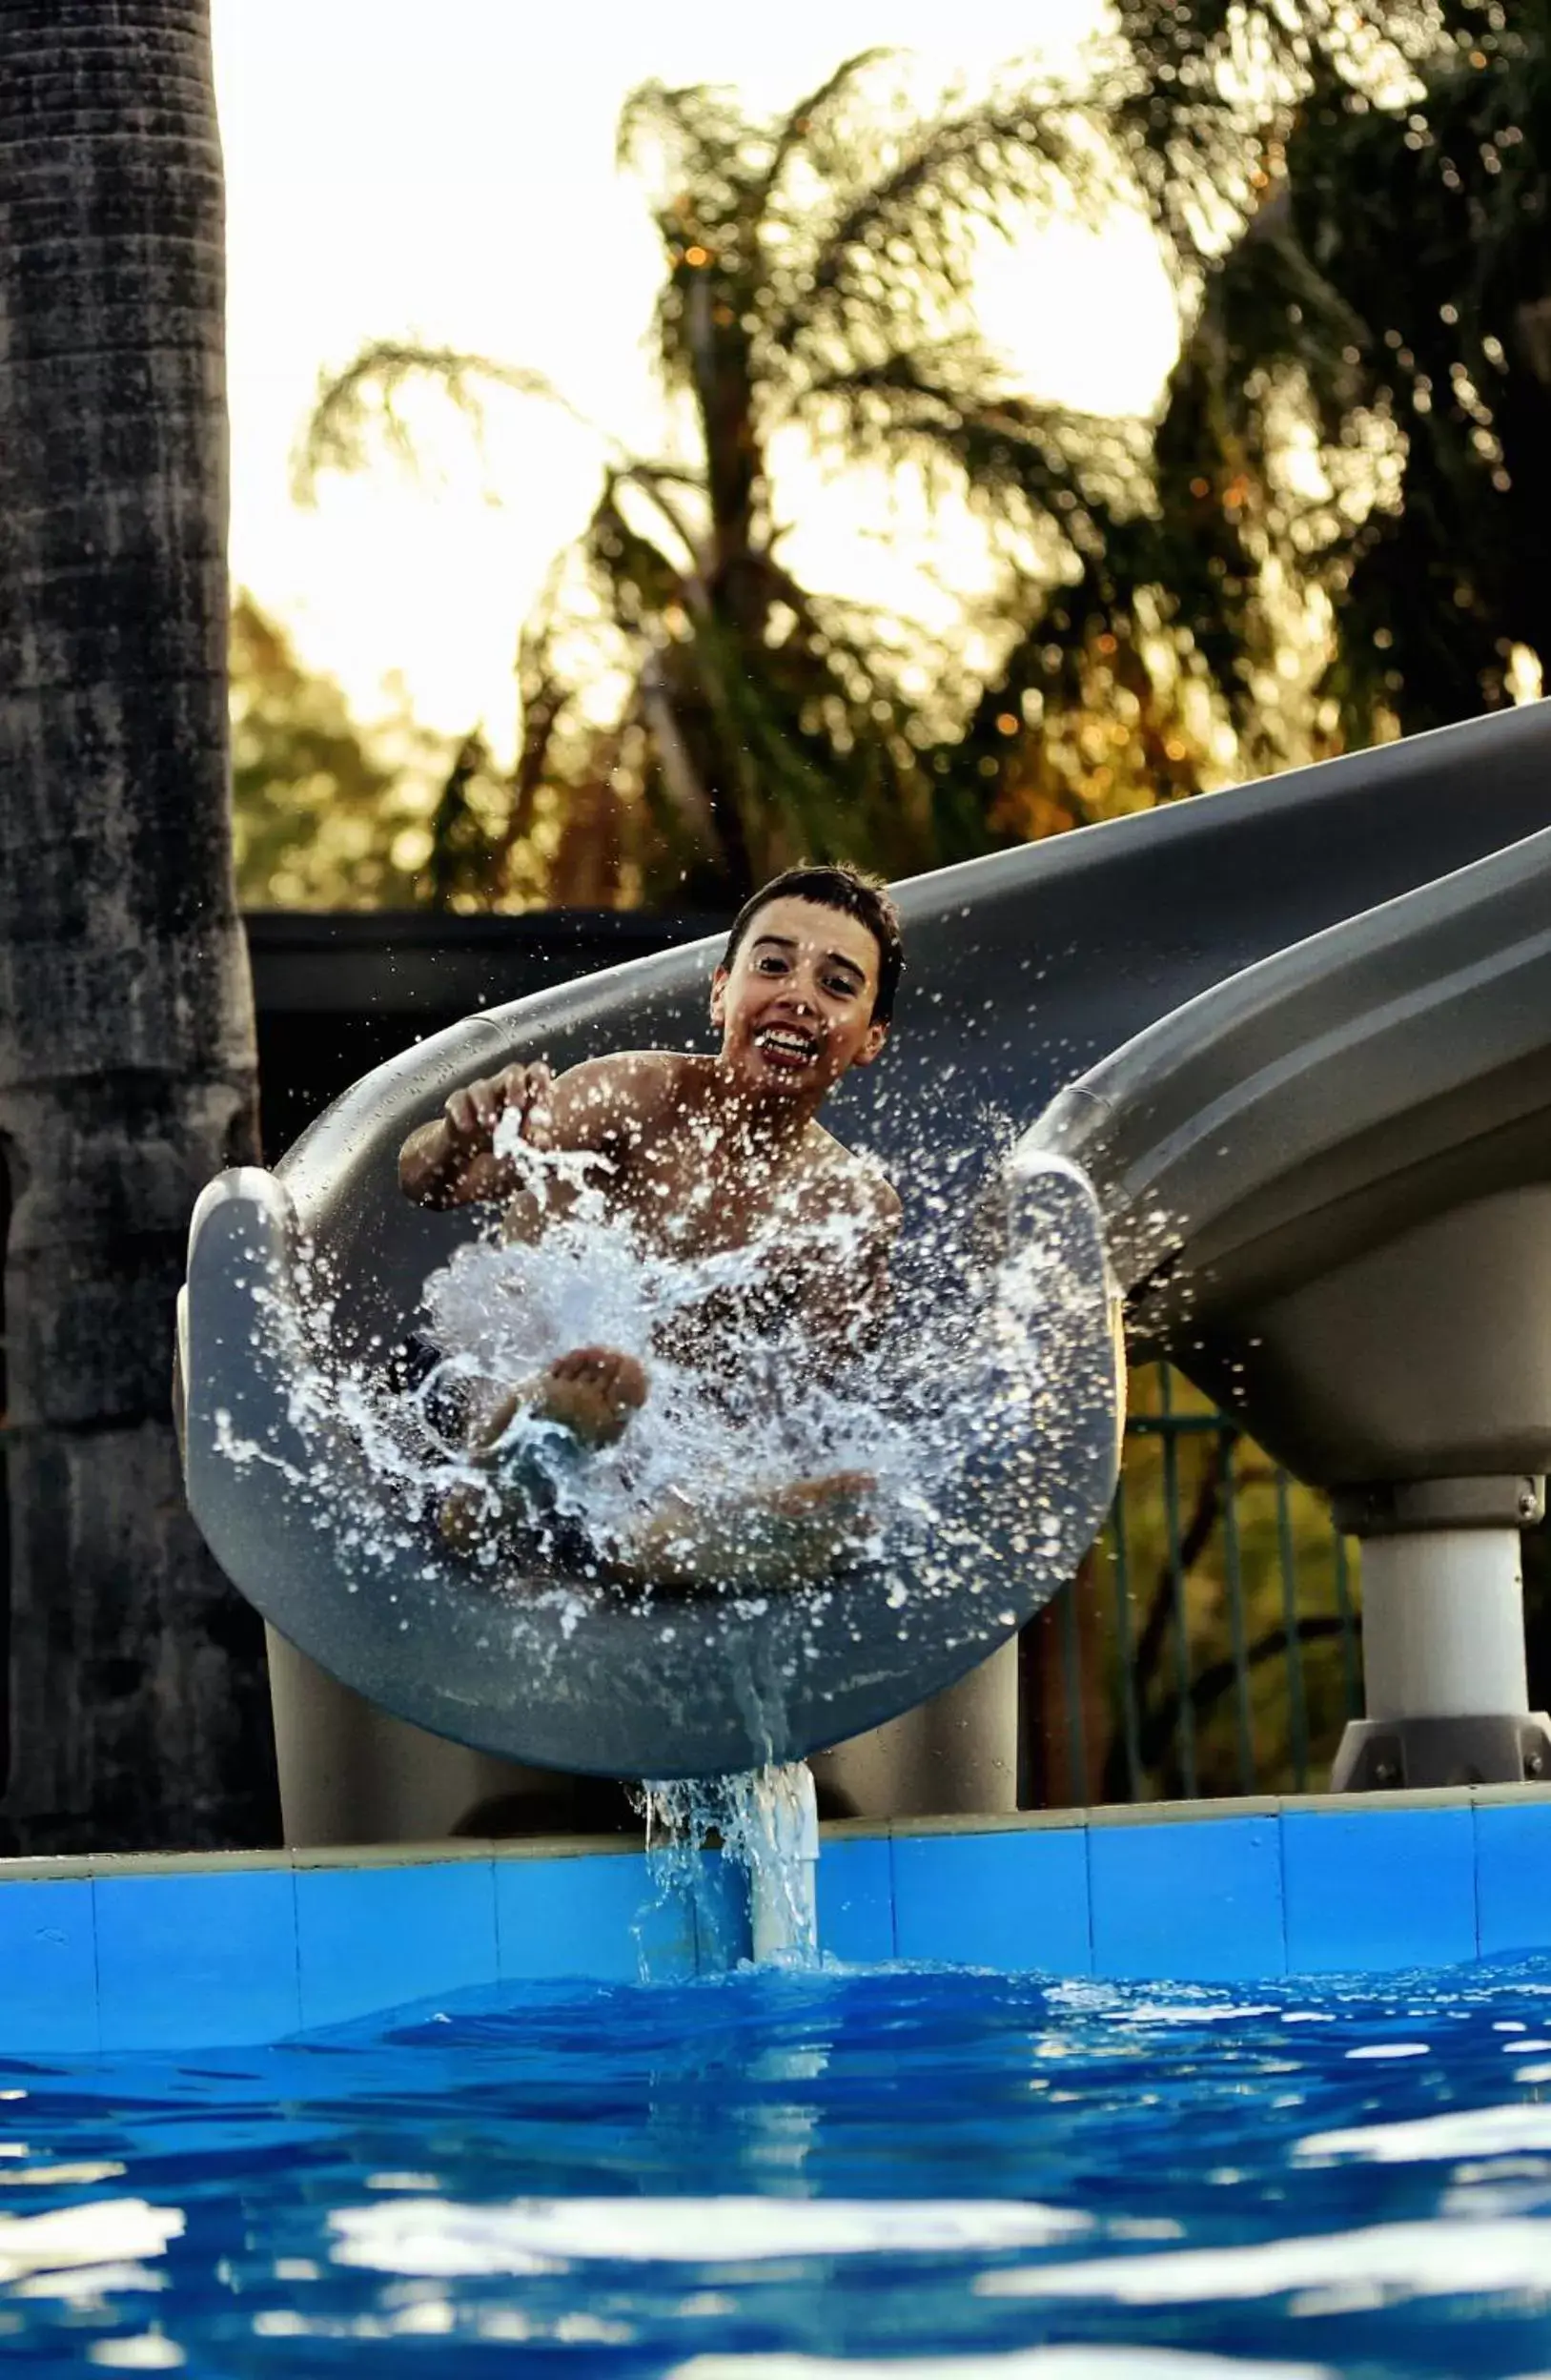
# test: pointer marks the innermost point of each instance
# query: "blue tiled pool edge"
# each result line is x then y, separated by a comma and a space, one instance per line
207, 1951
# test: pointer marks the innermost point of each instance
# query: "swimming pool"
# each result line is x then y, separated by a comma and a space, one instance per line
858, 2167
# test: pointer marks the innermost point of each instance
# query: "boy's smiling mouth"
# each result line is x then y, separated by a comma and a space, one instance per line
785, 1045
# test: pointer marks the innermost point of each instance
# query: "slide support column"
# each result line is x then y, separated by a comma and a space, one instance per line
1443, 1664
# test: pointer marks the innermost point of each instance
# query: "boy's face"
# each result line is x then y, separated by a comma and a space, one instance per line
795, 1010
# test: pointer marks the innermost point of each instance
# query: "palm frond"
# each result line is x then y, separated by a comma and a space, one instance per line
364, 400
896, 255
1379, 302
1026, 465
644, 584
810, 125
1198, 98
696, 127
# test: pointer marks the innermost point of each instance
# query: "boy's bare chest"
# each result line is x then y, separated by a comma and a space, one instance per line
689, 1200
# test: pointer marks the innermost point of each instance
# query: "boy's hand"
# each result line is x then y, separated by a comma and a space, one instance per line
470, 1115
452, 1162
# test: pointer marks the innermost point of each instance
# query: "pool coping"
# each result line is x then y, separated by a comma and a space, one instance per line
194, 1950
441, 1849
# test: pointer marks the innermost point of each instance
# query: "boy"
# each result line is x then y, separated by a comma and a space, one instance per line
710, 1154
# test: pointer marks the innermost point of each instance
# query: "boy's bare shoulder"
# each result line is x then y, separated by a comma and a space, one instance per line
864, 1183
627, 1088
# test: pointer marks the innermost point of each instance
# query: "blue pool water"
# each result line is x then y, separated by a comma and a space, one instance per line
1062, 2181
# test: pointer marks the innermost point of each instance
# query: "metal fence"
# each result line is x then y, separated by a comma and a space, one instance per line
1212, 1643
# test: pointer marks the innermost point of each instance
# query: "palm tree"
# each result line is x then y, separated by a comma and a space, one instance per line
127, 1071
1389, 302
818, 279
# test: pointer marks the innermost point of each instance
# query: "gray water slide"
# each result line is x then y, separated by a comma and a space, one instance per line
1327, 1191
1026, 972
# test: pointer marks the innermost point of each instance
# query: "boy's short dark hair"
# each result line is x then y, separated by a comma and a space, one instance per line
836, 885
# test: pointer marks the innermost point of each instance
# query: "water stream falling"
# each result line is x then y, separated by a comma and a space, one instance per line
765, 1822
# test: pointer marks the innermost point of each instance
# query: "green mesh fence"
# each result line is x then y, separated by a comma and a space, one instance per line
1212, 1643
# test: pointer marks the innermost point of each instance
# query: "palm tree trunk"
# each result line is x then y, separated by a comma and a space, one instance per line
127, 1065
724, 387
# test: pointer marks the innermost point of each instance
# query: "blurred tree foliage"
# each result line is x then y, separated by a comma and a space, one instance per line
1347, 464
1362, 417
327, 815
316, 816
818, 274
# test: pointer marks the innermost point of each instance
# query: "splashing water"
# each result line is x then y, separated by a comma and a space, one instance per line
766, 1823
703, 1472
936, 1462
737, 1412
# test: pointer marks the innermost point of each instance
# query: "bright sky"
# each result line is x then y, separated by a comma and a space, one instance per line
445, 173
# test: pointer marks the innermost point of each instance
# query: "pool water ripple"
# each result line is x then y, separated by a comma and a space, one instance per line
787, 2177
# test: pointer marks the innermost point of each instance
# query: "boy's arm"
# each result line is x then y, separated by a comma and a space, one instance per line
451, 1162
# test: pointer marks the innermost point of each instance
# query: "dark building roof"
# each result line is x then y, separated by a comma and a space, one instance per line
338, 991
